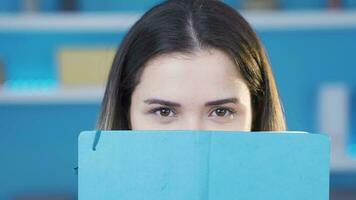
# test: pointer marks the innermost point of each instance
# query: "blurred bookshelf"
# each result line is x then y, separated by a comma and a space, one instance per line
53, 91
122, 21
101, 23
53, 31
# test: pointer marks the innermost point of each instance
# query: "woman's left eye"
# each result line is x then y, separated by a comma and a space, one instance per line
222, 112
163, 112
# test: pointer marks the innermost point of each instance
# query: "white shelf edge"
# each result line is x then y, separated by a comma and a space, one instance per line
301, 19
62, 95
104, 22
67, 22
348, 165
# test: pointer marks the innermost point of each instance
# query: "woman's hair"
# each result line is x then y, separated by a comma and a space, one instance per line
185, 26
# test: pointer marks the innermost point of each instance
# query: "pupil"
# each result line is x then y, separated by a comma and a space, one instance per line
165, 112
220, 112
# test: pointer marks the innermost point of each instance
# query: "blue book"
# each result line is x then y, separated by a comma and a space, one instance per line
202, 165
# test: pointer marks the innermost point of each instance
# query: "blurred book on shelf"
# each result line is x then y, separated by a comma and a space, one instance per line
68, 5
2, 73
260, 4
343, 194
334, 110
30, 6
334, 4
79, 66
39, 6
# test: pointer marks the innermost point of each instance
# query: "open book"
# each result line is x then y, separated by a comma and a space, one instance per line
203, 165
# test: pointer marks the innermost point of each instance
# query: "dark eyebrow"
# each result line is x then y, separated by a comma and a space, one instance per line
162, 102
173, 104
221, 101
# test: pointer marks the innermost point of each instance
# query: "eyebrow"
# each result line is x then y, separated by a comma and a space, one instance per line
162, 102
222, 101
174, 104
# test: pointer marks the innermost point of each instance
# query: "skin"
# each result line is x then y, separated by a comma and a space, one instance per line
200, 91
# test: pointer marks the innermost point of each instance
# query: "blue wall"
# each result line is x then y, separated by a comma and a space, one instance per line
38, 147
302, 60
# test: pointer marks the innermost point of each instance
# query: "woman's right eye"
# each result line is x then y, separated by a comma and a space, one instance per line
164, 112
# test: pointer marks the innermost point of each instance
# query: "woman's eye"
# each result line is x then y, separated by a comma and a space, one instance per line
164, 112
222, 112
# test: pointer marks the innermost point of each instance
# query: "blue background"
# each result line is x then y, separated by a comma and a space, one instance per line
38, 146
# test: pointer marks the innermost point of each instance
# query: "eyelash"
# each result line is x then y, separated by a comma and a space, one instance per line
229, 110
155, 110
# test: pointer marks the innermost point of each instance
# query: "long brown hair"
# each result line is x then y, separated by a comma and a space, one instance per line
185, 26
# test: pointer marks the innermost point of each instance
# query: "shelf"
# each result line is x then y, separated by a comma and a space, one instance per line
66, 22
343, 164
61, 95
301, 19
118, 22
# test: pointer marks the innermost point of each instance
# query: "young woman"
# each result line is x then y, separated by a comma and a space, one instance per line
191, 65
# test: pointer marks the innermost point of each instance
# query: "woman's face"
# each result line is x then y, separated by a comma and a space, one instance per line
200, 91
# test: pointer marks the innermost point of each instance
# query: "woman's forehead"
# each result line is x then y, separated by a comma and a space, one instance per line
201, 76
212, 65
